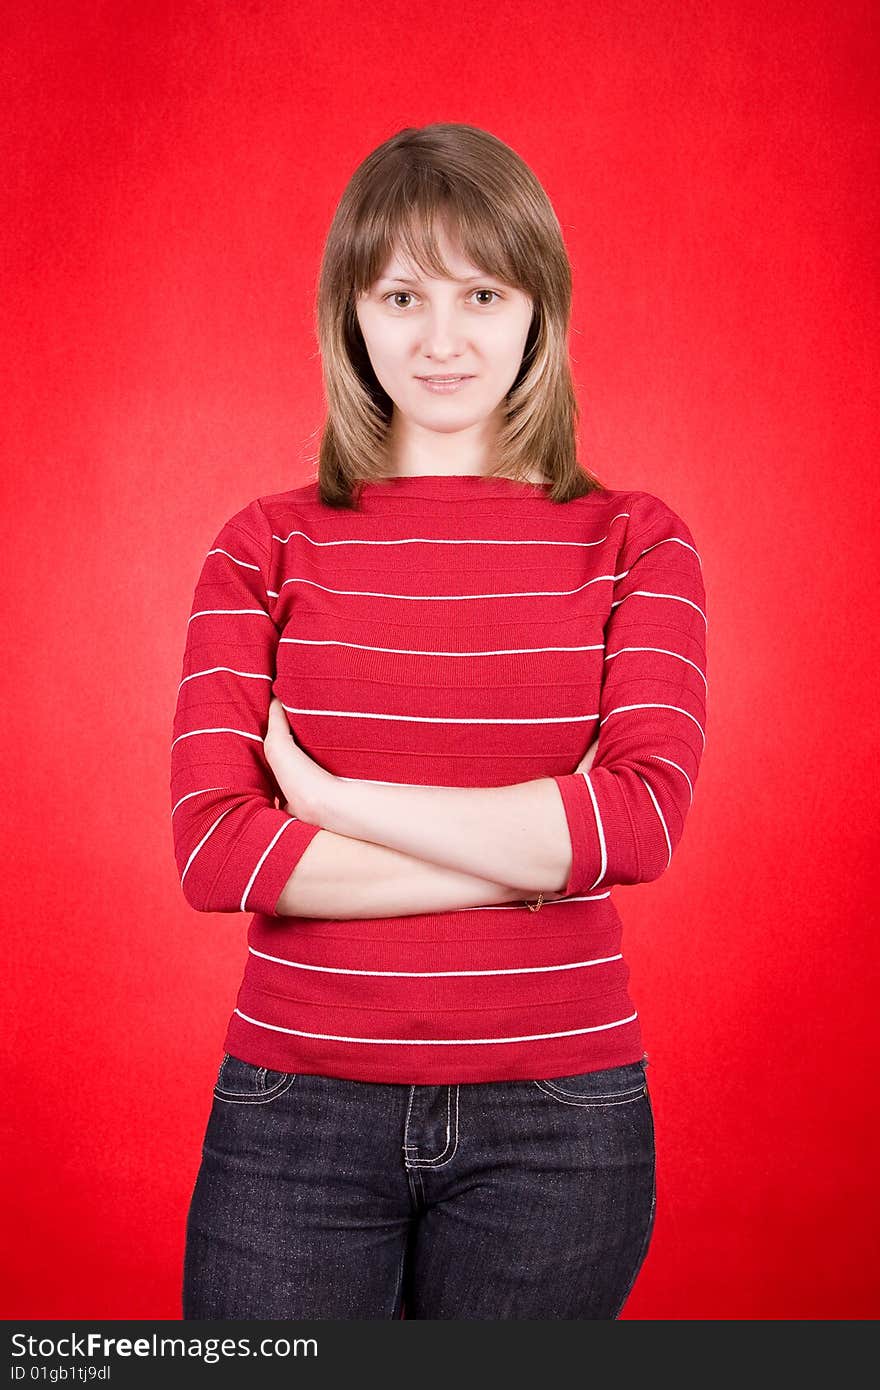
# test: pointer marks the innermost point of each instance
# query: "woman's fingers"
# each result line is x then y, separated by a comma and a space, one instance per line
277, 717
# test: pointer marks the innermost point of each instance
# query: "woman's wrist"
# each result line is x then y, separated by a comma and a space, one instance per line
313, 801
325, 795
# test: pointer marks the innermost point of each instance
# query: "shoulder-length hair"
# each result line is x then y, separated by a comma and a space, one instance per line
462, 178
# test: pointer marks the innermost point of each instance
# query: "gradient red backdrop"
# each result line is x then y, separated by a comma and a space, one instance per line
171, 171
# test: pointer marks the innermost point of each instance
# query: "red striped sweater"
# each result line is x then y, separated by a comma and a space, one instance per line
456, 631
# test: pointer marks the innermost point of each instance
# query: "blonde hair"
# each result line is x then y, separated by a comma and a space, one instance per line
462, 177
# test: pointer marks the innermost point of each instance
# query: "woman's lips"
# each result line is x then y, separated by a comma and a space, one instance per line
441, 386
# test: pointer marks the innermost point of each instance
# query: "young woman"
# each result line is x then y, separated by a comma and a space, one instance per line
435, 705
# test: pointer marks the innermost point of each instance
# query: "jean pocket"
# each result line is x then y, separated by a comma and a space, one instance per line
244, 1083
609, 1086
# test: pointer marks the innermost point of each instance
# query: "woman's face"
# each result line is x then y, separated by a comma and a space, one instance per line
472, 325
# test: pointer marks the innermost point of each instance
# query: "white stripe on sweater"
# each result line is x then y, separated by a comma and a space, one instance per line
665, 541
433, 540
262, 859
436, 1042
218, 550
432, 974
249, 675
414, 651
200, 792
600, 831
242, 732
210, 612
455, 598
659, 758
621, 709
432, 719
664, 652
651, 593
662, 821
206, 836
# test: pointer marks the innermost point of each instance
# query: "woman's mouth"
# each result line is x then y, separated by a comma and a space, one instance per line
442, 385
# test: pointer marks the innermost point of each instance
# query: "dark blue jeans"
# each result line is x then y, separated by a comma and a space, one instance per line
318, 1197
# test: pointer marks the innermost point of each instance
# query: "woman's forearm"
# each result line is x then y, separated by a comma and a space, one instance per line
516, 834
343, 878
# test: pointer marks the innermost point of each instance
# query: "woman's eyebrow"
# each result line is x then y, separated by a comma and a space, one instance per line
400, 280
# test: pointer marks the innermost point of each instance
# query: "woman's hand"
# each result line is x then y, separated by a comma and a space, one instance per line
586, 761
304, 783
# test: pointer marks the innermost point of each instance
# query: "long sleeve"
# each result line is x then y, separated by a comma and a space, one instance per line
627, 814
235, 849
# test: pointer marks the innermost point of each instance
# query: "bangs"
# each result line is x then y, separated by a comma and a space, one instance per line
408, 222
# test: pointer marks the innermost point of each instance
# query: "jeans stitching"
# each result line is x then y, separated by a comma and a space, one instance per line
439, 1161
567, 1098
552, 1083
406, 1146
260, 1094
258, 1098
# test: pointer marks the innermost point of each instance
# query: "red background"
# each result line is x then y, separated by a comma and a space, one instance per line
172, 170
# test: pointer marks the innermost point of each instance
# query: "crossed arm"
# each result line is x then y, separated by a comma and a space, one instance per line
387, 850
348, 848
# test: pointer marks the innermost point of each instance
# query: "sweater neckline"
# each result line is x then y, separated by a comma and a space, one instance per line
465, 485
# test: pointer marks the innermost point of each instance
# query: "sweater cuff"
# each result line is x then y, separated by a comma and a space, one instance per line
294, 838
582, 832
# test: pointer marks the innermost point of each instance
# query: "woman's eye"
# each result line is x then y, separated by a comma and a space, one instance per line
405, 294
